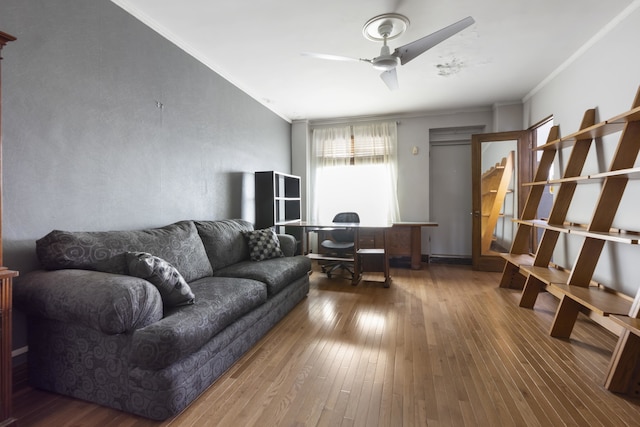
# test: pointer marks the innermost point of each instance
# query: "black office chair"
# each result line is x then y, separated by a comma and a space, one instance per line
340, 245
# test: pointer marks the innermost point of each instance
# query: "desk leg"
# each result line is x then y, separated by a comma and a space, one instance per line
356, 258
416, 248
385, 260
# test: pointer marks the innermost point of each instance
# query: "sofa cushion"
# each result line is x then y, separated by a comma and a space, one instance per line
223, 241
276, 273
178, 244
263, 244
174, 290
109, 303
185, 329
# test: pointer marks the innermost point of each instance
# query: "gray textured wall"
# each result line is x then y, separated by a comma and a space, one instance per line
86, 146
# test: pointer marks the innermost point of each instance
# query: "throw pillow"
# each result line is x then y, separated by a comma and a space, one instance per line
174, 290
263, 244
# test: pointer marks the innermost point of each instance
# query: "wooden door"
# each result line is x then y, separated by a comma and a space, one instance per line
499, 164
450, 200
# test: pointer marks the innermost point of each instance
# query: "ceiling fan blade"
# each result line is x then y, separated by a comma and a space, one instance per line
390, 78
411, 50
332, 57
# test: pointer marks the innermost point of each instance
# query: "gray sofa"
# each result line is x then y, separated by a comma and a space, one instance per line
103, 325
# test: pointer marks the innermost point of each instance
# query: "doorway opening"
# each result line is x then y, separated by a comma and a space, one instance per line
450, 194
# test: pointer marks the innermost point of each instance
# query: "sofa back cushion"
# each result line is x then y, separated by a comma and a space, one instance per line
178, 244
224, 242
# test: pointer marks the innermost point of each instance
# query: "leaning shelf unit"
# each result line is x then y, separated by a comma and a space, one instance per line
277, 201
575, 286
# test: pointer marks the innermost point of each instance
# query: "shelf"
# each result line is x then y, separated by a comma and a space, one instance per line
574, 287
628, 237
630, 323
557, 181
277, 201
595, 299
608, 127
632, 115
539, 223
629, 173
548, 275
518, 259
320, 257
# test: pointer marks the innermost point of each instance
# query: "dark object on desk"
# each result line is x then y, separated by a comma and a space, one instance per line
341, 245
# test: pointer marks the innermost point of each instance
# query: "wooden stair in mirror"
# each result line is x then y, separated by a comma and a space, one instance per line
494, 187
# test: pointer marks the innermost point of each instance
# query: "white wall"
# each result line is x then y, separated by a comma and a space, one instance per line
605, 75
413, 170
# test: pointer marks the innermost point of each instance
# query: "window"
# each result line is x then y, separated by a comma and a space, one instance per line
354, 169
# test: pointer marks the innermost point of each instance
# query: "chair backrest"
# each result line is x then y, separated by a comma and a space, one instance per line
342, 235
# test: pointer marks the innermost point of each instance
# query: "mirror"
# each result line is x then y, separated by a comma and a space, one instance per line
499, 164
498, 196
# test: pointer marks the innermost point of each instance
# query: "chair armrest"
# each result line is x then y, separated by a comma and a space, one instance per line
109, 303
288, 244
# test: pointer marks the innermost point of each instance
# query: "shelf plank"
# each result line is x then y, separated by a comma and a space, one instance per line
548, 275
628, 237
628, 116
371, 251
630, 173
540, 223
321, 257
607, 127
595, 299
596, 131
630, 323
518, 259
558, 181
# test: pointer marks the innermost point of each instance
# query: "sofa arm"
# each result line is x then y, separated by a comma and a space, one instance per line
110, 303
288, 244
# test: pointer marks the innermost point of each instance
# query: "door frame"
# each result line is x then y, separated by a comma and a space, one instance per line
523, 159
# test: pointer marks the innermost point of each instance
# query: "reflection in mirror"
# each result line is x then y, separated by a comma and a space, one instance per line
499, 196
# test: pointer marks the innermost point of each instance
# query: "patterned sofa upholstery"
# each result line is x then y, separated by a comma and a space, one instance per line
101, 333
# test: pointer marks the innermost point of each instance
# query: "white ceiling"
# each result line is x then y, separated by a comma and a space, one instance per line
257, 44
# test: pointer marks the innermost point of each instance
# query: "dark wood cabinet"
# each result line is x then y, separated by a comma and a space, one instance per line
6, 282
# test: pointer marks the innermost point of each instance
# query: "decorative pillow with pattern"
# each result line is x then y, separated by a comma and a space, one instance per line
174, 290
263, 244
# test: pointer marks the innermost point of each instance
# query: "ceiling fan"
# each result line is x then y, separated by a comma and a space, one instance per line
389, 26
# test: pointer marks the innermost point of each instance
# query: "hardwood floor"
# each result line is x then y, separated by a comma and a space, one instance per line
444, 346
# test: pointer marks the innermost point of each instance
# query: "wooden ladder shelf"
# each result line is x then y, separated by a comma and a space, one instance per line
574, 286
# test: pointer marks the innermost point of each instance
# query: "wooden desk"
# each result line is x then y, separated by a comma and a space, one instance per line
396, 239
405, 239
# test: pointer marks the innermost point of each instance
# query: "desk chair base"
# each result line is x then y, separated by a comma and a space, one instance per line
333, 267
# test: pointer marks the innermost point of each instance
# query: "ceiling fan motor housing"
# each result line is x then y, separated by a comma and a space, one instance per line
385, 61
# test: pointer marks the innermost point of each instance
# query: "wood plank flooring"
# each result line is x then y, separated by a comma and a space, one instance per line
443, 346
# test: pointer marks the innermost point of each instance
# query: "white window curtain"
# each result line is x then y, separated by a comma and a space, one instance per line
354, 168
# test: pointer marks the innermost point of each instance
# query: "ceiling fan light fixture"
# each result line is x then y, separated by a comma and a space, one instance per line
385, 63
